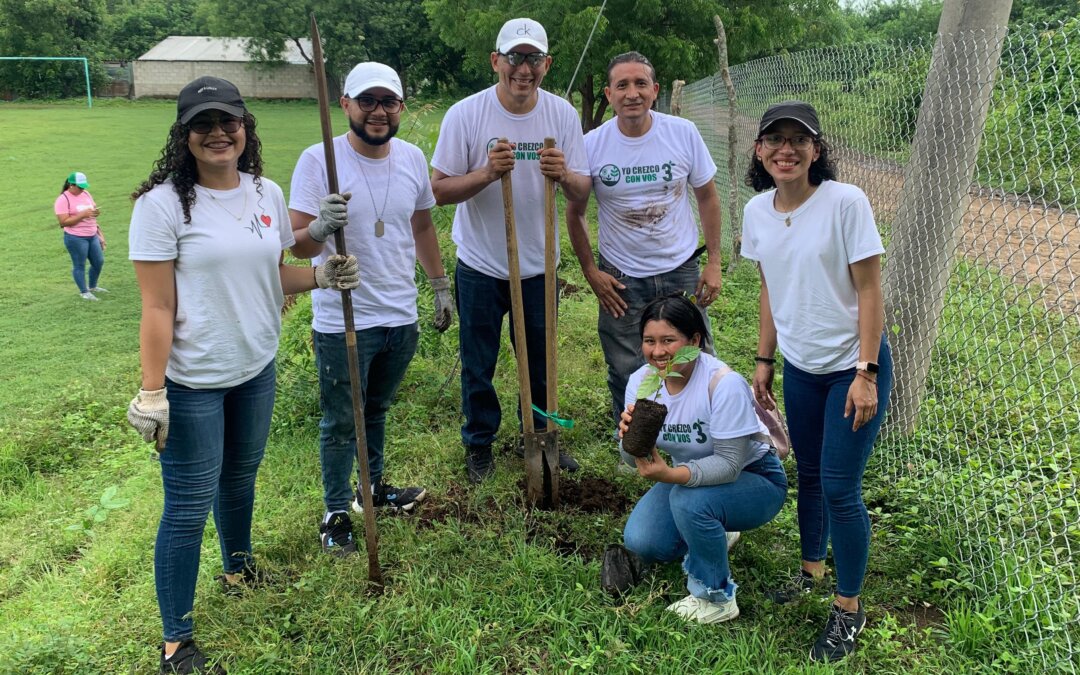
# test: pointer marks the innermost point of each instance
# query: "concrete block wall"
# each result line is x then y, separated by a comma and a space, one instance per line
167, 78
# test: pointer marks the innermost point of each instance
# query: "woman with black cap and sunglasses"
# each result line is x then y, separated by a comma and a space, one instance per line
819, 254
207, 236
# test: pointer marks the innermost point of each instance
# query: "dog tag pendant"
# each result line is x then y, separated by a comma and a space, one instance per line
379, 228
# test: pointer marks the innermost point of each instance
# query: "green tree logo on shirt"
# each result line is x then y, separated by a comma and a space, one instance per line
609, 175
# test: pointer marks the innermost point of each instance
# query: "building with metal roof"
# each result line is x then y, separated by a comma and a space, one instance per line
179, 59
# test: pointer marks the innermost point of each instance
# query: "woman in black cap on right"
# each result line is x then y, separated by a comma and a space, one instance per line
819, 254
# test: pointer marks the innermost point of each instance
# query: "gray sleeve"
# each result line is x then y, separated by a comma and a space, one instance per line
723, 466
627, 458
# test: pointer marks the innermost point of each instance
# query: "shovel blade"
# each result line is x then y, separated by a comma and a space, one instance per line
542, 468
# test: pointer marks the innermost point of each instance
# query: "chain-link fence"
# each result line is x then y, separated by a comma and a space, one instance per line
993, 460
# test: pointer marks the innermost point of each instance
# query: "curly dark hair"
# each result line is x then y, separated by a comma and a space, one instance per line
176, 162
823, 168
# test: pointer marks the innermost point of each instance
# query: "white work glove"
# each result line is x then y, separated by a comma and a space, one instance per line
333, 215
444, 304
149, 414
340, 272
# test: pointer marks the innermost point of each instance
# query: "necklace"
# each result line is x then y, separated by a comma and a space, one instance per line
380, 227
243, 209
788, 215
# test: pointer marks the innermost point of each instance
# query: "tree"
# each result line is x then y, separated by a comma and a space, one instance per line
49, 28
676, 36
396, 33
134, 26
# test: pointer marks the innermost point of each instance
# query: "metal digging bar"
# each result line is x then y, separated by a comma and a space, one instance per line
370, 536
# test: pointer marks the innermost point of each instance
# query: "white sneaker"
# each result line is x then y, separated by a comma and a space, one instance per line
732, 539
99, 289
703, 611
88, 296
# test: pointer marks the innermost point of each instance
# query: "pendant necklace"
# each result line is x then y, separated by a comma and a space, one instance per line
243, 208
794, 212
380, 226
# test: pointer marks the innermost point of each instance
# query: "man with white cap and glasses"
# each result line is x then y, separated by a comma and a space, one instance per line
386, 200
468, 163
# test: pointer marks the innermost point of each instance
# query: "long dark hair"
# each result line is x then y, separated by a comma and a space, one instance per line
177, 163
823, 168
677, 310
66, 186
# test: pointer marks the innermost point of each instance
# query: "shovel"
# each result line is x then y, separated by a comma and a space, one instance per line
535, 444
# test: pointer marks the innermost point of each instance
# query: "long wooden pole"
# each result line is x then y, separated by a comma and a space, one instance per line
550, 459
517, 311
374, 572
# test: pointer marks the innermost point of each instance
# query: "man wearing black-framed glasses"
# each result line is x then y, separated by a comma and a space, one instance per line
468, 163
386, 200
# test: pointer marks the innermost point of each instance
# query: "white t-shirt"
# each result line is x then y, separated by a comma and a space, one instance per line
228, 288
387, 292
813, 300
469, 128
643, 187
694, 418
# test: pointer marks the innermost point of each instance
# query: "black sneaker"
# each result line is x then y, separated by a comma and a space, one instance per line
838, 638
335, 533
621, 570
188, 659
566, 462
391, 499
802, 584
479, 463
250, 577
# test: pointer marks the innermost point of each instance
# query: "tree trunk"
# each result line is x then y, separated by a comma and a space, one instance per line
936, 183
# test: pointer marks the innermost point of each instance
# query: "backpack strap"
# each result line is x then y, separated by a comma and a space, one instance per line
772, 419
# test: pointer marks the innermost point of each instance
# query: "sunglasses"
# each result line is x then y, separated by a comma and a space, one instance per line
535, 60
204, 125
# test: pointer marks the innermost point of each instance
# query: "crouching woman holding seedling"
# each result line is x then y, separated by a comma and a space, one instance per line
724, 477
207, 235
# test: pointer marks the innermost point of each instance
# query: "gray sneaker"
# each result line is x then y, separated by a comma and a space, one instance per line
335, 534
88, 296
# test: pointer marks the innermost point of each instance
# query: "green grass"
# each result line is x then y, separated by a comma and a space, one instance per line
483, 585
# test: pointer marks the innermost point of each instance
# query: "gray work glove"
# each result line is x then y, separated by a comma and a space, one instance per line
339, 272
149, 414
333, 215
444, 304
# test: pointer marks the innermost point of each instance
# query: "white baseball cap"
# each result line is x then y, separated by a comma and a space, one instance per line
516, 32
370, 75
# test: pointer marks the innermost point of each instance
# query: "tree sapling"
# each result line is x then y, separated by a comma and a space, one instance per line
640, 436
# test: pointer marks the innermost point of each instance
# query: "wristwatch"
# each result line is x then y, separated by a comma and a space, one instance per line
868, 366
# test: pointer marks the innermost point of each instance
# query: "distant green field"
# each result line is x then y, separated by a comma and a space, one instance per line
477, 583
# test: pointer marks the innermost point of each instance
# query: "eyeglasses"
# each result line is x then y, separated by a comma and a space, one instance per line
535, 60
390, 104
204, 125
776, 141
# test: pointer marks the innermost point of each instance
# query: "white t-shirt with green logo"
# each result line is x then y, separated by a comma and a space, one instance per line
469, 128
643, 187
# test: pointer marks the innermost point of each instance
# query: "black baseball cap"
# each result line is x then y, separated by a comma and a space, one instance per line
208, 93
798, 111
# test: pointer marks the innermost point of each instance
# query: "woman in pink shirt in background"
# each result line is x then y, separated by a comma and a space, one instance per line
77, 213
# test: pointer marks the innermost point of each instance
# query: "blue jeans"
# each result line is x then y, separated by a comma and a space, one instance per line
621, 338
216, 441
831, 459
384, 354
82, 249
482, 302
673, 521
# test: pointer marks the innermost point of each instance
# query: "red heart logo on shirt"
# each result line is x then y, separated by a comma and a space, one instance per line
266, 219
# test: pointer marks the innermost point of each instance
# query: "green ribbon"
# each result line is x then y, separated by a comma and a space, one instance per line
554, 417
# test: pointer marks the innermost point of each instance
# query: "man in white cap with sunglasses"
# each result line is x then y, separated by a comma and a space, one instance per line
386, 201
468, 164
